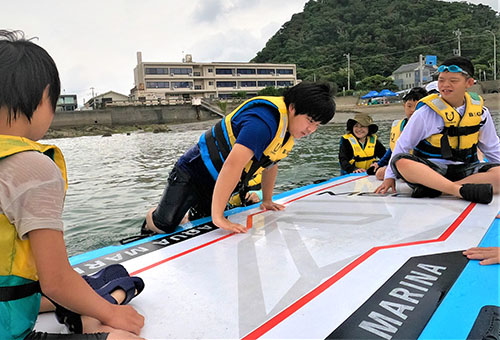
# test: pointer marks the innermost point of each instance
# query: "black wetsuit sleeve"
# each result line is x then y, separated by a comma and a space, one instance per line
379, 149
345, 155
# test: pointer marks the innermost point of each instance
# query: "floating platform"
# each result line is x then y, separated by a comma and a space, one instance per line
339, 262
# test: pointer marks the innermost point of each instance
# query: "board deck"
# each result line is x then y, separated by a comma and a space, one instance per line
315, 270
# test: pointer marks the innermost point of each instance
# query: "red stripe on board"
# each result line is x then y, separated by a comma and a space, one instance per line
249, 220
266, 327
180, 254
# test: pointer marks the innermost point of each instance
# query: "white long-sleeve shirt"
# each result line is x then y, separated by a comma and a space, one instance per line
425, 122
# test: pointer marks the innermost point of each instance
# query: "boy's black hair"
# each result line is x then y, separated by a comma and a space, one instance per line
25, 71
312, 99
415, 94
464, 63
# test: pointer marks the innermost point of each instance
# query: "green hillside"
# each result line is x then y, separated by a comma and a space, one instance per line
380, 36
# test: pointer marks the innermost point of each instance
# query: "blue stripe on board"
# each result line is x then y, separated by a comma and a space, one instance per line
476, 287
77, 259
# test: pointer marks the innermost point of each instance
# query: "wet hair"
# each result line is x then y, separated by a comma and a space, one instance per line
312, 99
464, 63
25, 71
415, 94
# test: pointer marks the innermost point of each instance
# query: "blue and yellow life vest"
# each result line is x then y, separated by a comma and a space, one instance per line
19, 288
459, 137
363, 157
216, 144
396, 129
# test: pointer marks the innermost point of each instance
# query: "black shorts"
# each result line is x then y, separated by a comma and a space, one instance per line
47, 336
453, 172
183, 193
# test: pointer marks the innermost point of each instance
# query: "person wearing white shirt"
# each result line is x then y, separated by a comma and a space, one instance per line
430, 154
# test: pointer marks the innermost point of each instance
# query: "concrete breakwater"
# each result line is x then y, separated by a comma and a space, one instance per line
131, 115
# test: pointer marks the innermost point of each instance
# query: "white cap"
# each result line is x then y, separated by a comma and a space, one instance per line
432, 87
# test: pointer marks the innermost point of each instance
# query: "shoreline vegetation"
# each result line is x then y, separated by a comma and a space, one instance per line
345, 109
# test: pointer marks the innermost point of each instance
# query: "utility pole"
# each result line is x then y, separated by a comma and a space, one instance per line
494, 54
458, 33
93, 99
420, 70
348, 55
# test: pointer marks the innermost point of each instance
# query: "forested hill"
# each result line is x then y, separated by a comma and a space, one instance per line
380, 36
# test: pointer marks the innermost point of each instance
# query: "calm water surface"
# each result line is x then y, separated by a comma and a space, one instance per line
114, 180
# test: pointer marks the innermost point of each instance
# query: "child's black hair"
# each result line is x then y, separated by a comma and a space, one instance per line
312, 99
26, 70
415, 94
464, 63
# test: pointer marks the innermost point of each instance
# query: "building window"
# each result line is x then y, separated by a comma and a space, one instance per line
245, 71
266, 83
156, 70
211, 83
180, 70
182, 84
265, 71
226, 84
284, 71
197, 74
284, 83
210, 70
223, 71
157, 84
225, 96
248, 84
197, 87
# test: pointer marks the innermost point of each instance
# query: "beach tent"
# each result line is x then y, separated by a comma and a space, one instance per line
387, 93
371, 94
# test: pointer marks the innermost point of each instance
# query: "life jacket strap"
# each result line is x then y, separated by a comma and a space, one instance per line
19, 292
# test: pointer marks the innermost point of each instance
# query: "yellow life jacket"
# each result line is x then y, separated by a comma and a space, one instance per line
459, 137
396, 129
363, 157
254, 184
217, 142
18, 275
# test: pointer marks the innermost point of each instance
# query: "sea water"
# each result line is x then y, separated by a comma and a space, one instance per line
114, 180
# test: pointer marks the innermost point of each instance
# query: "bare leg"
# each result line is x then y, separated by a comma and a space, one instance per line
419, 173
492, 176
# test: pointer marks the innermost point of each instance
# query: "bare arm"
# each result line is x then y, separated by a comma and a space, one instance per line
62, 284
229, 177
268, 180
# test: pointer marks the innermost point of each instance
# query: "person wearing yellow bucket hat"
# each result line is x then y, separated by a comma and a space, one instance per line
359, 147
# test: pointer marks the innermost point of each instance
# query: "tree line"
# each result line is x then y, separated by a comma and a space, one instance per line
380, 36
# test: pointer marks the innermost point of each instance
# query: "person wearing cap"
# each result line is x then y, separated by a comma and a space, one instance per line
359, 147
445, 133
410, 101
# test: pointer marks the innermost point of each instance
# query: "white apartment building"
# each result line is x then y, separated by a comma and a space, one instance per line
186, 80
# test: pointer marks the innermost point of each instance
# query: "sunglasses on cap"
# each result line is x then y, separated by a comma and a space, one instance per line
452, 68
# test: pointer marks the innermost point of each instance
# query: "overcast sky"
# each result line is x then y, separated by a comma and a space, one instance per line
94, 42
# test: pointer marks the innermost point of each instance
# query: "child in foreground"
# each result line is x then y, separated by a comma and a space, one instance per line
33, 183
